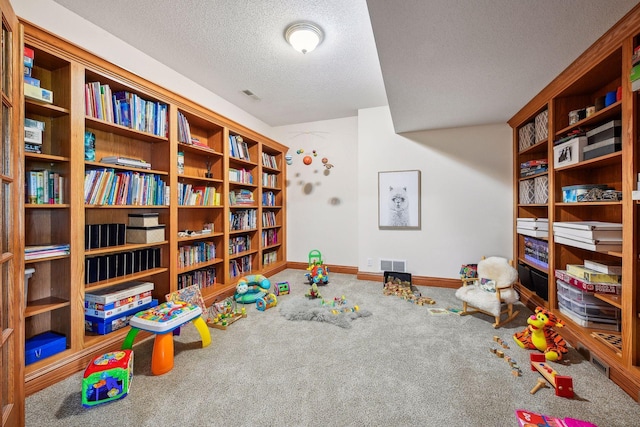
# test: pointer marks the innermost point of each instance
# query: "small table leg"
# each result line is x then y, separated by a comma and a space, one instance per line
162, 357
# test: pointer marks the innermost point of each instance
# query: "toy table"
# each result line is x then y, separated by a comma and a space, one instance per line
164, 321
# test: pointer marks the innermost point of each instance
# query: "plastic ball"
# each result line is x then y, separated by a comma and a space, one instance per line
307, 160
289, 159
324, 160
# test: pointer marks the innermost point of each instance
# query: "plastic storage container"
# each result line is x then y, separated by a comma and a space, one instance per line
588, 311
588, 321
574, 294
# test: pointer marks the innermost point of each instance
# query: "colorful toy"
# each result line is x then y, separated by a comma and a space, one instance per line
289, 159
164, 321
107, 378
541, 335
266, 302
281, 288
307, 160
313, 293
563, 384
318, 272
250, 288
224, 313
532, 419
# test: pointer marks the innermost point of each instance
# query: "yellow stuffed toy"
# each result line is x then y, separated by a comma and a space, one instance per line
541, 335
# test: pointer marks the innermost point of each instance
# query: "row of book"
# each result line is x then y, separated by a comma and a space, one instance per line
634, 75
269, 237
196, 253
241, 197
269, 180
109, 309
536, 251
125, 109
46, 251
269, 161
533, 167
105, 267
184, 130
240, 175
269, 257
244, 219
239, 244
104, 235
240, 266
202, 278
32, 87
268, 199
33, 135
197, 195
44, 187
108, 187
268, 219
238, 148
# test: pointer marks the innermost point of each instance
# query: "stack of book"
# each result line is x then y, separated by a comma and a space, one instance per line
635, 69
591, 235
534, 227
533, 167
32, 87
109, 309
241, 197
126, 161
45, 251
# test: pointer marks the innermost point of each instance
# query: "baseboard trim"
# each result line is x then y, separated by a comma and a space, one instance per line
437, 282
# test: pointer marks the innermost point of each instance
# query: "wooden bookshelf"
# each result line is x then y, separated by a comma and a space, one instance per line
603, 68
204, 150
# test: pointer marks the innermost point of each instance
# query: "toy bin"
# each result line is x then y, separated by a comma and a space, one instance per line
574, 294
42, 346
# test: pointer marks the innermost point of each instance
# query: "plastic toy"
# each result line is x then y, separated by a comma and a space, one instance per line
307, 160
532, 419
282, 288
563, 384
250, 288
313, 293
107, 378
318, 272
224, 313
541, 335
165, 320
266, 302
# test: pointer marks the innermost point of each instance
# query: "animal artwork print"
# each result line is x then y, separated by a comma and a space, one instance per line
399, 207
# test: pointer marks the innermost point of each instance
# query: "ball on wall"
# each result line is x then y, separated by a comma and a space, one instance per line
289, 159
307, 160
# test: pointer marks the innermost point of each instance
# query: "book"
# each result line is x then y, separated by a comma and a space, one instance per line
596, 247
118, 292
587, 286
602, 267
591, 275
126, 161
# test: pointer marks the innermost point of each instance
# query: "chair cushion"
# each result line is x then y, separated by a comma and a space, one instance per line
499, 270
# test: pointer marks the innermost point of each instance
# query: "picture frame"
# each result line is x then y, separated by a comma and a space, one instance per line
399, 200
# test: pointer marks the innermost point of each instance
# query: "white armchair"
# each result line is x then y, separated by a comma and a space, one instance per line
492, 292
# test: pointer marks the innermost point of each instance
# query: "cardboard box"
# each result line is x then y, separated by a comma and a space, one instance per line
145, 234
101, 326
118, 292
43, 345
570, 193
143, 220
570, 152
32, 135
38, 93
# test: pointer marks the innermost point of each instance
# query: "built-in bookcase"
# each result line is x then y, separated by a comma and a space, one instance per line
181, 155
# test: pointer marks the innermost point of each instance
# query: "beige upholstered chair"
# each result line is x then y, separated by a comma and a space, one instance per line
492, 292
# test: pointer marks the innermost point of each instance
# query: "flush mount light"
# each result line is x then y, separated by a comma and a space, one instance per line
303, 36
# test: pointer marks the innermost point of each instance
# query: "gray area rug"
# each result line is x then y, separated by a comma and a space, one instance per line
402, 366
302, 308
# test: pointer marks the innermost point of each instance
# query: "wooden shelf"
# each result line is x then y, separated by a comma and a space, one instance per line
123, 279
44, 305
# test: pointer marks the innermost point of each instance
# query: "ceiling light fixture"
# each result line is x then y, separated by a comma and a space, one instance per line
303, 36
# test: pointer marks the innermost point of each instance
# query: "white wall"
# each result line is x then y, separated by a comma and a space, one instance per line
467, 208
322, 204
67, 25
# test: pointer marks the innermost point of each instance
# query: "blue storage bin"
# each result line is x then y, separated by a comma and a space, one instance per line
42, 346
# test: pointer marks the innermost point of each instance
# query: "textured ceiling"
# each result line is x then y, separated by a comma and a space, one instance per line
446, 63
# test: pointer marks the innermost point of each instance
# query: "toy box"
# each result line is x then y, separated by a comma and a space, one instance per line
107, 378
103, 326
43, 345
571, 193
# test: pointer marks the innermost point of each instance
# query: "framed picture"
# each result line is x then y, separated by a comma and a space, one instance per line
399, 200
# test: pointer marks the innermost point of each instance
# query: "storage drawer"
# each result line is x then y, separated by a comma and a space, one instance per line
574, 294
586, 310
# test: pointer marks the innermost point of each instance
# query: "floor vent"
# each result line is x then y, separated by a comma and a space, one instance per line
399, 266
600, 365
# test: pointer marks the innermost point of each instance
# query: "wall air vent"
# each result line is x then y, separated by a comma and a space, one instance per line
251, 95
399, 266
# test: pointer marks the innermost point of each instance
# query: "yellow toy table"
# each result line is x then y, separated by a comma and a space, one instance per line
165, 320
